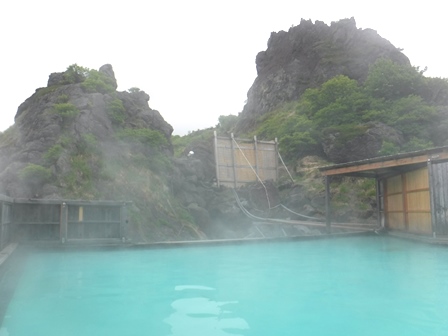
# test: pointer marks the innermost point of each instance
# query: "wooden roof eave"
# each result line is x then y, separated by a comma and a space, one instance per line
386, 166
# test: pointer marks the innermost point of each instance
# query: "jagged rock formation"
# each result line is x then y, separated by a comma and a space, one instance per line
67, 111
307, 56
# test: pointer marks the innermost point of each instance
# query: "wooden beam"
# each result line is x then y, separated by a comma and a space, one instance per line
360, 167
215, 141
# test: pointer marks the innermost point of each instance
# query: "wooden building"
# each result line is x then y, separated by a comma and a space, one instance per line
61, 220
412, 189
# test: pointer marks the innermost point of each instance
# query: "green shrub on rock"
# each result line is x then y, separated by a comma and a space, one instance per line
143, 135
35, 174
98, 82
65, 110
53, 153
76, 74
116, 111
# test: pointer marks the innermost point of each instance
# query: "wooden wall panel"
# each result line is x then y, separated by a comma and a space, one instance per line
418, 201
395, 221
419, 223
394, 185
408, 206
239, 161
417, 179
395, 203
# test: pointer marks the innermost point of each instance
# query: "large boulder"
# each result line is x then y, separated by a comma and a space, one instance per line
362, 146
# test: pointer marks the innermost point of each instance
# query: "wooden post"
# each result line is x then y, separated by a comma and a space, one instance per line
233, 159
327, 203
385, 205
2, 221
124, 221
404, 190
5, 225
63, 222
216, 157
256, 157
432, 205
81, 214
379, 204
276, 159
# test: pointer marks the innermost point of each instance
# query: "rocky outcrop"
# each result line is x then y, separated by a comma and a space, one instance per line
307, 56
365, 145
60, 117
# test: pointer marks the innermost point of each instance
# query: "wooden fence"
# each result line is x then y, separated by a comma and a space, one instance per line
240, 161
5, 220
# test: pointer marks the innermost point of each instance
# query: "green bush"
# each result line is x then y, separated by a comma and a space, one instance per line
339, 101
143, 135
390, 80
116, 111
35, 174
98, 82
75, 74
134, 90
389, 148
65, 110
226, 123
345, 132
159, 163
78, 181
53, 154
87, 144
63, 98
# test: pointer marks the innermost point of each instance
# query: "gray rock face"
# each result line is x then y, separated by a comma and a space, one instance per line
136, 105
307, 56
108, 71
364, 146
66, 115
55, 78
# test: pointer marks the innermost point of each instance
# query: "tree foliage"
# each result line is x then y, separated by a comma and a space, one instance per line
91, 80
389, 80
394, 94
226, 123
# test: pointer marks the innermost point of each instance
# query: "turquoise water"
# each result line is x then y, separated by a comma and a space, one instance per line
351, 286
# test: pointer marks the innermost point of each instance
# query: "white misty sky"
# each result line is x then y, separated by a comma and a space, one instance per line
196, 59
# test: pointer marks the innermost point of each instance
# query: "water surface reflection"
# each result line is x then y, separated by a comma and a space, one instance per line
199, 314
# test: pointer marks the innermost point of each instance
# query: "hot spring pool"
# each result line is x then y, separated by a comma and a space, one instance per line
348, 286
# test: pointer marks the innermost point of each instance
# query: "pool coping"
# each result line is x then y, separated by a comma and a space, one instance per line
426, 239
114, 245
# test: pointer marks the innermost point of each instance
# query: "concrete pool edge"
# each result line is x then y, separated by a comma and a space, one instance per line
103, 245
440, 241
